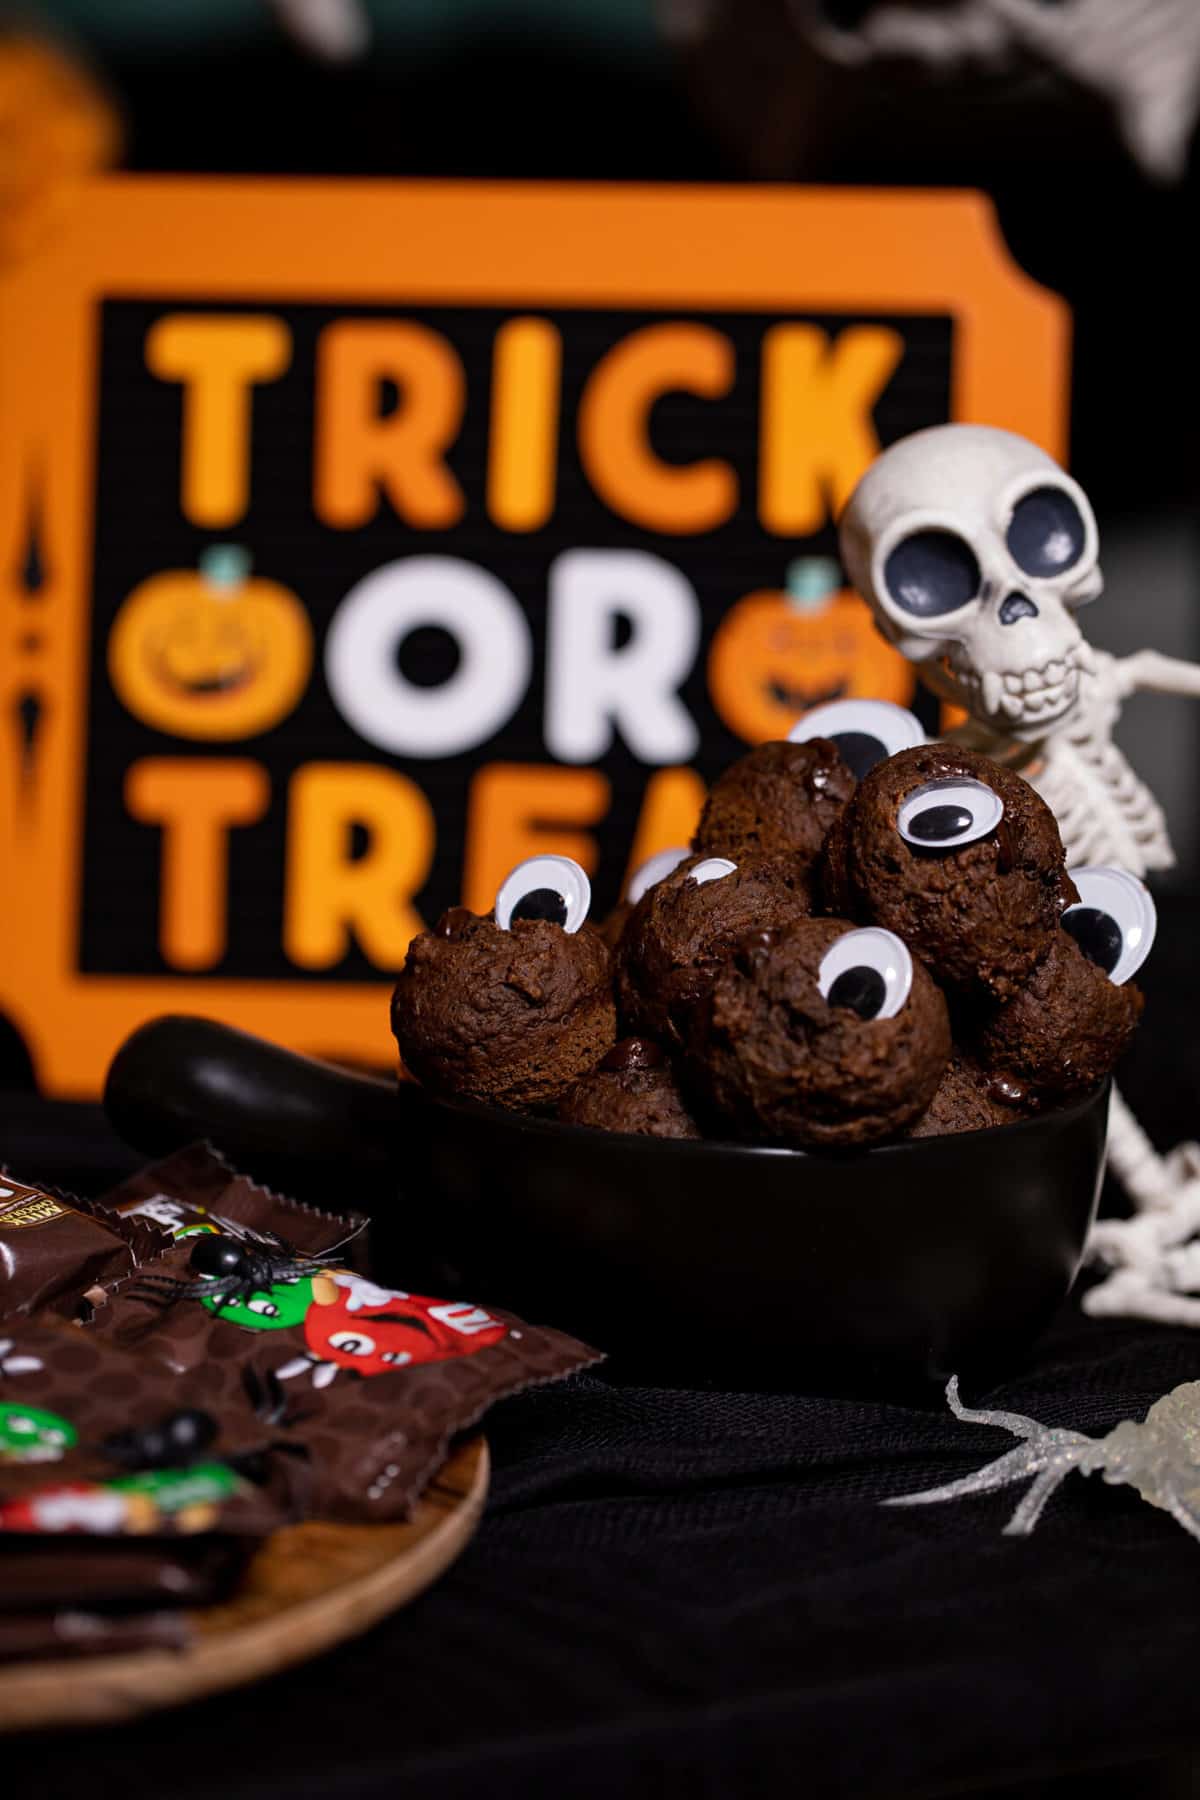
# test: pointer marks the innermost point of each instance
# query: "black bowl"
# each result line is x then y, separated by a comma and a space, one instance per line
878, 1267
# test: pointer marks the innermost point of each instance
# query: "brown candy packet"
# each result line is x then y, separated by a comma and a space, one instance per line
194, 1190
54, 1246
47, 1574
53, 1636
84, 1494
372, 1382
94, 1440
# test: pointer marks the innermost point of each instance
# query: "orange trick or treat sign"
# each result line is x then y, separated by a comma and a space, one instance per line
360, 539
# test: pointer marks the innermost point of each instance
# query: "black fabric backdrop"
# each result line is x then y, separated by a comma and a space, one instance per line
698, 1593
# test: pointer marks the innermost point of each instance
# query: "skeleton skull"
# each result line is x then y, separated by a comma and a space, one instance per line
972, 544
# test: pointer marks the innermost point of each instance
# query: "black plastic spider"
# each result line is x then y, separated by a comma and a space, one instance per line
271, 1401
172, 1443
230, 1270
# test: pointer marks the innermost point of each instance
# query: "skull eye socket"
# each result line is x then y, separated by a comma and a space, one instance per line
1046, 533
544, 887
713, 868
652, 871
868, 971
931, 573
1114, 922
865, 731
945, 815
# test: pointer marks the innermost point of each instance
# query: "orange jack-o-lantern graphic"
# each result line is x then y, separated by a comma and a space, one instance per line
777, 654
211, 653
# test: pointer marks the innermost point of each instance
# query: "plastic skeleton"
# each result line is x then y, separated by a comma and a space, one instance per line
1142, 56
974, 551
1160, 1458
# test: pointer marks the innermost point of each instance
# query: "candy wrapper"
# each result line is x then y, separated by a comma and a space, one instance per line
54, 1246
195, 1191
93, 1440
371, 1383
42, 1637
53, 1573
84, 1495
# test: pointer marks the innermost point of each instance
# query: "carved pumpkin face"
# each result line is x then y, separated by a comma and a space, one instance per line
773, 658
208, 658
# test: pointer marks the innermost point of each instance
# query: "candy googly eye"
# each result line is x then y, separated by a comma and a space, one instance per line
544, 887
945, 815
1115, 921
352, 1343
652, 871
713, 868
866, 732
870, 971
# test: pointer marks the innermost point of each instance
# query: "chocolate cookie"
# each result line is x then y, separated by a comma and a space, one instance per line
685, 926
511, 1017
632, 1089
958, 856
780, 799
967, 1099
820, 1035
1064, 1030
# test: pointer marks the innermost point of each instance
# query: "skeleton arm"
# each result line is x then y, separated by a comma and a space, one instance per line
1150, 672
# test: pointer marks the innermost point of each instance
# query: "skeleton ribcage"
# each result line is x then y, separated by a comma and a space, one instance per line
1105, 814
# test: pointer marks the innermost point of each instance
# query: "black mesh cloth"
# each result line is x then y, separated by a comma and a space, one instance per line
698, 1593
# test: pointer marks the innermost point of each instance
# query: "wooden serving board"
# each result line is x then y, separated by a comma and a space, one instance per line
309, 1587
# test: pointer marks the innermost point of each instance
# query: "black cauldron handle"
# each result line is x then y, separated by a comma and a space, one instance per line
286, 1119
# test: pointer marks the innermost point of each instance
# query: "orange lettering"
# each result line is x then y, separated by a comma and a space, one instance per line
614, 443
517, 810
363, 451
196, 803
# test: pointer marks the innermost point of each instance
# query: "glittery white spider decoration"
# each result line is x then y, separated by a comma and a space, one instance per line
1160, 1458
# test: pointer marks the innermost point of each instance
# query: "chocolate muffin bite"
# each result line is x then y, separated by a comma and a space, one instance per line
684, 927
820, 1035
778, 800
958, 856
632, 1089
1067, 1027
645, 876
510, 1009
968, 1098
1064, 1031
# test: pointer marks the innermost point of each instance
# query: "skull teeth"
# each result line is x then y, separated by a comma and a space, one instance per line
993, 691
